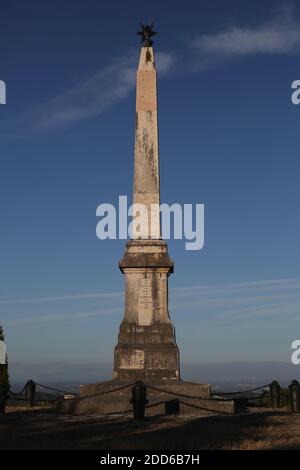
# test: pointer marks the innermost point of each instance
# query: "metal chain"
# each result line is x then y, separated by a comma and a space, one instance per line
14, 396
155, 404
202, 408
65, 392
18, 394
186, 396
245, 391
103, 393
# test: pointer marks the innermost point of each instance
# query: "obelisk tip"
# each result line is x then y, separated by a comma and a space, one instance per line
146, 33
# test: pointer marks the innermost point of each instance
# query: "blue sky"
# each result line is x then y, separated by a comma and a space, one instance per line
228, 139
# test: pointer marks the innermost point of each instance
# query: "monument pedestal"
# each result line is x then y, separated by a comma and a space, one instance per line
146, 353
146, 348
101, 398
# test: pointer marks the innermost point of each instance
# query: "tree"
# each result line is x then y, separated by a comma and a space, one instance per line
4, 380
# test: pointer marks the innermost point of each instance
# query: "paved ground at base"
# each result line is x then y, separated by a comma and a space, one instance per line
43, 429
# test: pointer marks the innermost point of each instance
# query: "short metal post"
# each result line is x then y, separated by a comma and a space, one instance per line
139, 400
30, 392
275, 390
294, 389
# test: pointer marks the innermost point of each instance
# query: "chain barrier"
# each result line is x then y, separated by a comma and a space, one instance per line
16, 396
65, 392
186, 396
155, 404
74, 397
244, 391
19, 393
103, 393
203, 408
214, 398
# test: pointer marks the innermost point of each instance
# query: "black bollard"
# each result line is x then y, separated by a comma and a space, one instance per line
275, 390
139, 400
30, 392
3, 387
294, 389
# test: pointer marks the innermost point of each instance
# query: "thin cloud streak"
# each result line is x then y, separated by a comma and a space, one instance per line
88, 99
273, 284
60, 317
100, 295
278, 35
111, 84
220, 303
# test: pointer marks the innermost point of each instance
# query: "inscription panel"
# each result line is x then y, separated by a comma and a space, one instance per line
145, 301
134, 359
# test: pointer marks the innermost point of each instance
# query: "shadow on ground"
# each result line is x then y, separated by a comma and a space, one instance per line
47, 430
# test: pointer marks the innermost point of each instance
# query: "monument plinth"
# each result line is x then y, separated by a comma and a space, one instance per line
146, 348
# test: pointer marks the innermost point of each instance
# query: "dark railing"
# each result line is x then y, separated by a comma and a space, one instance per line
273, 395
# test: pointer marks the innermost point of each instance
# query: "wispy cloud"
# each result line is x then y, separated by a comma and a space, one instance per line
95, 295
279, 35
242, 303
223, 302
273, 284
61, 317
89, 98
112, 83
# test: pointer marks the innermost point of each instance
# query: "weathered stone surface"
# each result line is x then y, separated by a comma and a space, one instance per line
146, 165
119, 400
146, 254
146, 348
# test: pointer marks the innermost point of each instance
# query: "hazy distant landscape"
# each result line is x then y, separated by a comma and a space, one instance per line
237, 374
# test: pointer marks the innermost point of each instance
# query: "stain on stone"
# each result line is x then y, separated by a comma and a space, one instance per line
148, 56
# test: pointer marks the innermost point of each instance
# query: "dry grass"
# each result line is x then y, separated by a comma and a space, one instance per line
42, 429
283, 432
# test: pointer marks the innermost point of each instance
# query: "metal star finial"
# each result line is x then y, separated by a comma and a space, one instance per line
146, 33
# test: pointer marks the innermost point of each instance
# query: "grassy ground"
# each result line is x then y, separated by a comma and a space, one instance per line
44, 429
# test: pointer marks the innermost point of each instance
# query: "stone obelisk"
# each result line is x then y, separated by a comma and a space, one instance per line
146, 348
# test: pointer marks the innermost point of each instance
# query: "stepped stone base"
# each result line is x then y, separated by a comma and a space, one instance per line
146, 353
119, 401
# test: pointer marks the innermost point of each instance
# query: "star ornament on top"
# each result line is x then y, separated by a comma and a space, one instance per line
146, 33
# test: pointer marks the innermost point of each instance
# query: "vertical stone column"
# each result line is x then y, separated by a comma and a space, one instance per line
146, 167
146, 346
